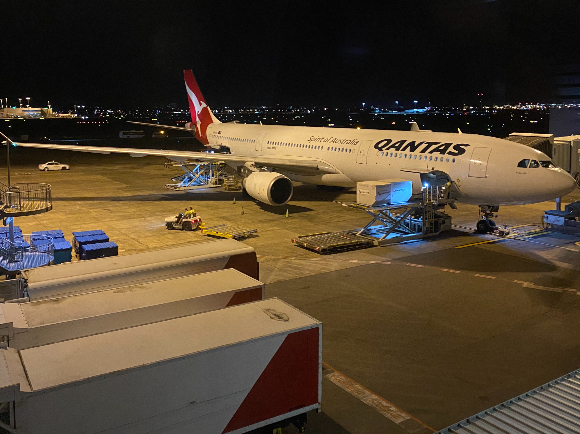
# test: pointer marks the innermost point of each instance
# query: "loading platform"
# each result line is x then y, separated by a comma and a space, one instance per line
332, 242
228, 231
390, 224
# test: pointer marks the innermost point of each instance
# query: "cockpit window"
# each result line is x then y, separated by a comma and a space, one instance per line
524, 163
534, 164
547, 164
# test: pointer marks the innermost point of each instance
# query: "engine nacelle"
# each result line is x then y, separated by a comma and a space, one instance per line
269, 187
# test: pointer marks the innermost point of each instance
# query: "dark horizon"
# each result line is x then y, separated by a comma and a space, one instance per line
438, 53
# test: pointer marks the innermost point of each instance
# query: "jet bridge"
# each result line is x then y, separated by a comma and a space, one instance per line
391, 223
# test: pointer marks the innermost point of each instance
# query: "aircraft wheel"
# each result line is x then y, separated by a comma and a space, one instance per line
187, 226
491, 224
482, 227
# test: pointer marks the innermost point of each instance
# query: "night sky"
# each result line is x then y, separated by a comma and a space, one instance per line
128, 53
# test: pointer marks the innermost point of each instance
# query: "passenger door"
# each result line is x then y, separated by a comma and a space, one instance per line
259, 141
478, 162
363, 151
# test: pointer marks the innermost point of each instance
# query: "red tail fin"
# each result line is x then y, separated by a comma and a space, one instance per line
201, 115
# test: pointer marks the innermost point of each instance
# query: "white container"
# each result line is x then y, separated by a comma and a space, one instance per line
388, 191
231, 370
105, 273
43, 322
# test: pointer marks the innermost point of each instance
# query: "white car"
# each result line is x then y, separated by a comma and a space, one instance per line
53, 165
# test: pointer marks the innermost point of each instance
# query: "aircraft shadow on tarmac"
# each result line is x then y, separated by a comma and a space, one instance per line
301, 193
483, 260
198, 196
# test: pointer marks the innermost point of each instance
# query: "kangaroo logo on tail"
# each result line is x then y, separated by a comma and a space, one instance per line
201, 115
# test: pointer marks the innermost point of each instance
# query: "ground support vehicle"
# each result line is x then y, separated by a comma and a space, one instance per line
232, 370
198, 175
567, 221
390, 224
182, 223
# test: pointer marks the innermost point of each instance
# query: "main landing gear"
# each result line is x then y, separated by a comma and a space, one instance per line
486, 225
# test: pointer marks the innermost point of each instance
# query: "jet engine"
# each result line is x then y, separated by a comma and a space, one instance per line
269, 187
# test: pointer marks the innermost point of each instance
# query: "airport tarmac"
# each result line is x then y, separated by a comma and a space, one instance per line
415, 336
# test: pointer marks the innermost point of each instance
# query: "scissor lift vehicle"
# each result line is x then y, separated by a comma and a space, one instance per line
199, 175
390, 224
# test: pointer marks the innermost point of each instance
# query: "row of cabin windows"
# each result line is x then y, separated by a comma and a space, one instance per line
532, 164
417, 157
234, 139
315, 147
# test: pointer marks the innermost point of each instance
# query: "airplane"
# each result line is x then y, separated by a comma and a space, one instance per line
484, 171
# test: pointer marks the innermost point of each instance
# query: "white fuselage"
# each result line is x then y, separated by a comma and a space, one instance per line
485, 169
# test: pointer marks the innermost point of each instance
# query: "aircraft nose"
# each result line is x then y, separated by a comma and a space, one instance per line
563, 184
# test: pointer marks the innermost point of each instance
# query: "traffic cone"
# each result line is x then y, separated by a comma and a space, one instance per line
286, 212
234, 200
242, 210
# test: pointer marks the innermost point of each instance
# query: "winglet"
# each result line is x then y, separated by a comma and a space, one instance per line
201, 115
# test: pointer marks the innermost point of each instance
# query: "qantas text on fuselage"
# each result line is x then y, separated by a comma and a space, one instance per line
413, 146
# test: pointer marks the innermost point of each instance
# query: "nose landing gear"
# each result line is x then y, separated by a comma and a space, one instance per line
486, 225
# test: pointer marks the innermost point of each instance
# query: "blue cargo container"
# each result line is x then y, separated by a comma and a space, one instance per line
98, 250
55, 233
6, 233
86, 233
78, 242
6, 229
62, 251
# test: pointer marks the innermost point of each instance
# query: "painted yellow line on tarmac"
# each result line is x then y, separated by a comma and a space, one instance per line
533, 233
481, 242
376, 402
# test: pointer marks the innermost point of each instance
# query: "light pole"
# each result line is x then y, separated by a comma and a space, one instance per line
415, 105
28, 101
8, 142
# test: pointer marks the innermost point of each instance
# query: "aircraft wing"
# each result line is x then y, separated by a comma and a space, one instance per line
302, 165
170, 127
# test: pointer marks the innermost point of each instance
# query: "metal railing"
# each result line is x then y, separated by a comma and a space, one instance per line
26, 251
25, 198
